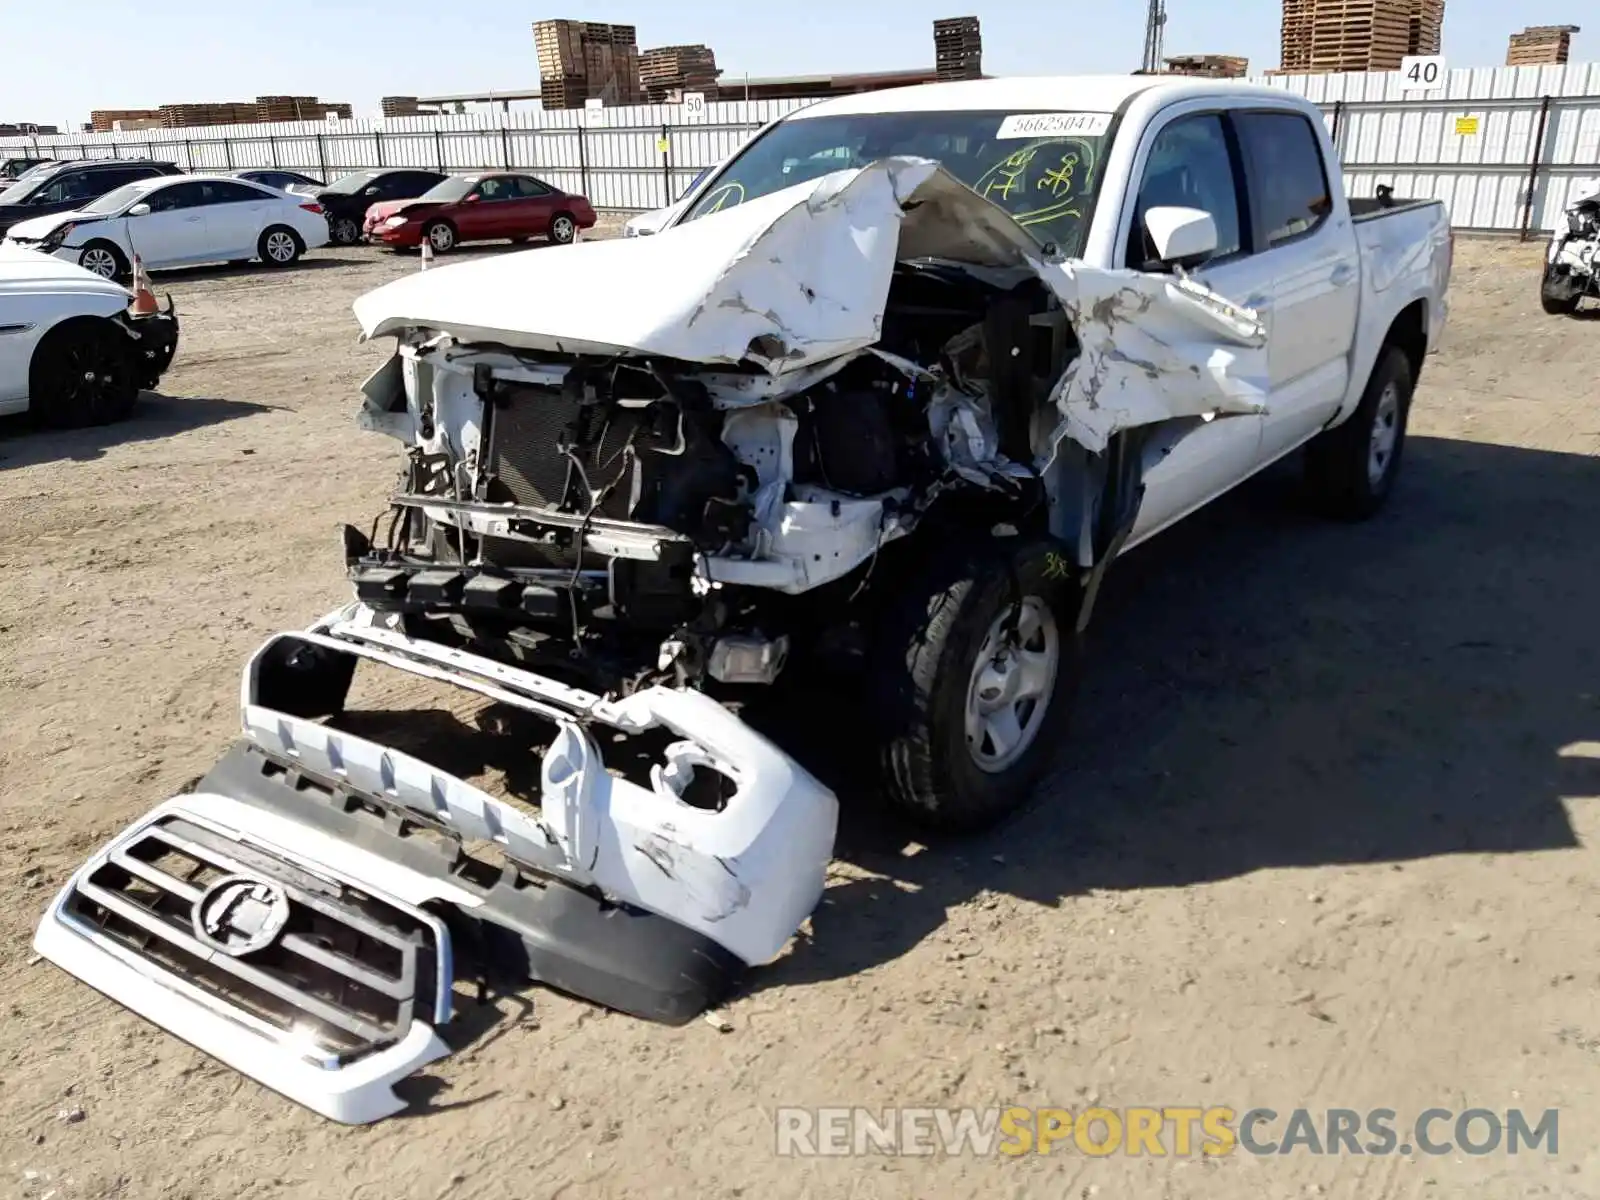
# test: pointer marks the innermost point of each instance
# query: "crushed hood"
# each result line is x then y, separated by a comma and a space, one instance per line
801, 276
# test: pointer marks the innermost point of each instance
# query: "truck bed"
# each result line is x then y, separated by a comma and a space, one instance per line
1385, 203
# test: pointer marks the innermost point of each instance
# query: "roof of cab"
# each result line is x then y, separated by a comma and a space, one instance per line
1038, 93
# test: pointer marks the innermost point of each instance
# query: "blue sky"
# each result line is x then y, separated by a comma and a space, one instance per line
117, 54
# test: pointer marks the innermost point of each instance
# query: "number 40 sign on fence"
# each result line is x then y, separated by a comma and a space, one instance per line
1422, 73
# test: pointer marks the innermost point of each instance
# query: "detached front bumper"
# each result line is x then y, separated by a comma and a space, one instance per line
648, 896
156, 339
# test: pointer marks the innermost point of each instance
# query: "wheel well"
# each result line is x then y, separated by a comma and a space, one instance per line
1410, 333
122, 255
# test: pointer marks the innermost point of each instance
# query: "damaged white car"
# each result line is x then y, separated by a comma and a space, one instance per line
886, 396
1572, 260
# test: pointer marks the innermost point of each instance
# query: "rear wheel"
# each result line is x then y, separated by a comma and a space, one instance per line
1351, 468
563, 229
441, 235
83, 373
279, 246
105, 260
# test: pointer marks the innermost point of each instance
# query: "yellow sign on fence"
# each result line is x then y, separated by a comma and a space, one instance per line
1466, 126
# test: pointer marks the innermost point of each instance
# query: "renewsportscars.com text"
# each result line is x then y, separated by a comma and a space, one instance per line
1176, 1130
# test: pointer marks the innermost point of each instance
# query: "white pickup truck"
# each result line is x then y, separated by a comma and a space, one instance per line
886, 396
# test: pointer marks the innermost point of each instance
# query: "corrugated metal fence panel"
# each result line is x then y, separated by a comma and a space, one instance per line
1409, 140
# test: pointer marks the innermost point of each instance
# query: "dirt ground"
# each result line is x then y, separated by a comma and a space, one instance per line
1325, 835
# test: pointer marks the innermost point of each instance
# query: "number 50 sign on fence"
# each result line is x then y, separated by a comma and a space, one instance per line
1422, 73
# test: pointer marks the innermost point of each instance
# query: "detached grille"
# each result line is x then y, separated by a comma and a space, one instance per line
255, 934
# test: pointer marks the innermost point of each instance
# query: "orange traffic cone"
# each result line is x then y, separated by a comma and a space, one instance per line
144, 298
427, 254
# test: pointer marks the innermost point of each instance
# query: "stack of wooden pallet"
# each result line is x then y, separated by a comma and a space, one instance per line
1425, 32
1355, 35
957, 48
1209, 66
666, 71
579, 60
296, 108
104, 120
185, 116
1541, 45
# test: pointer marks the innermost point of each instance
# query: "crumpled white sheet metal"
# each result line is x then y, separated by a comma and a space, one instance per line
800, 277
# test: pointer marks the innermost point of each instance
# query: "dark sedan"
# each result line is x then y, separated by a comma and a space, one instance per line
346, 200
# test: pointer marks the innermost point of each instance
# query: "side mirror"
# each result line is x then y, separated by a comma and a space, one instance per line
371, 191
1182, 237
139, 210
471, 198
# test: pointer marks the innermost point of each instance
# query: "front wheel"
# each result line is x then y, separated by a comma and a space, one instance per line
279, 247
563, 229
441, 235
974, 670
82, 373
105, 260
1558, 296
344, 231
1351, 468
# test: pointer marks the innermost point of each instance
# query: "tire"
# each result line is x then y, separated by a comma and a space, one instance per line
279, 246
1350, 469
441, 235
83, 373
1556, 299
941, 761
107, 259
563, 229
344, 231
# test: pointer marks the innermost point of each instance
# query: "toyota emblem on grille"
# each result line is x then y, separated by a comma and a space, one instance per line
238, 914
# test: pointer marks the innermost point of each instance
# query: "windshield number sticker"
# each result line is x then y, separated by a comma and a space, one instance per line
1059, 124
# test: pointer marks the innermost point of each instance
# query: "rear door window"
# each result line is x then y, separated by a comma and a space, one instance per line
218, 192
1289, 192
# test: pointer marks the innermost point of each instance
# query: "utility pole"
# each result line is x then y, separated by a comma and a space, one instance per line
1155, 28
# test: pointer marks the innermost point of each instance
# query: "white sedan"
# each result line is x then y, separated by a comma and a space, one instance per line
179, 220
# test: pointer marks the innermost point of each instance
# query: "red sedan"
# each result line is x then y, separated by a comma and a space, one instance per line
480, 208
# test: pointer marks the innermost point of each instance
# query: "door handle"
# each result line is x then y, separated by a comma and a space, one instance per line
1343, 274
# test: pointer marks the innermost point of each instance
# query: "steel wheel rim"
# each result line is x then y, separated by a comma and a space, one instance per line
102, 262
441, 237
1008, 692
1385, 435
562, 229
280, 247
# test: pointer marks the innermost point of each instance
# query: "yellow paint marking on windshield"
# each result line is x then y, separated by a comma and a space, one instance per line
722, 196
1061, 168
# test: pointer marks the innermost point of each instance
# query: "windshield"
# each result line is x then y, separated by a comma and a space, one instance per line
450, 189
115, 200
353, 182
18, 191
1042, 168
